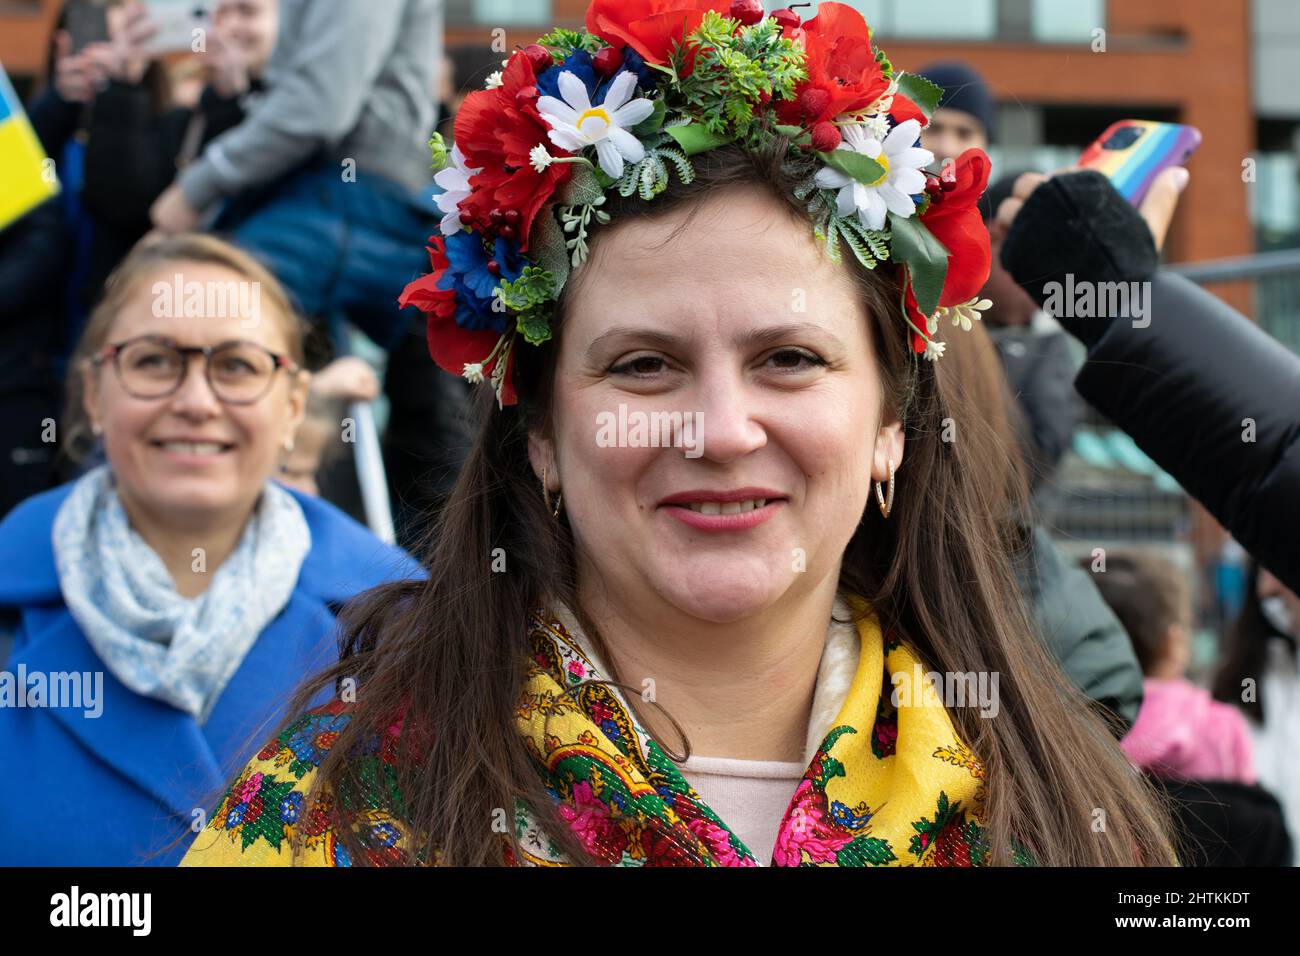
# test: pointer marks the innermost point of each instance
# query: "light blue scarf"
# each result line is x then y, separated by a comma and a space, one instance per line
159, 644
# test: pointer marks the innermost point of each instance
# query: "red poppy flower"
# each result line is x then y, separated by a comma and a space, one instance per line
451, 346
841, 64
956, 222
651, 27
496, 130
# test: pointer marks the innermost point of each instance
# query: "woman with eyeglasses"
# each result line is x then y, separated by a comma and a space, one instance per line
167, 601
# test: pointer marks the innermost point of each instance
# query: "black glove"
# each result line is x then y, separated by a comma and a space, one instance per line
1078, 224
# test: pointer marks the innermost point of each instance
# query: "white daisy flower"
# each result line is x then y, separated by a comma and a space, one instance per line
494, 81
473, 372
454, 181
934, 349
576, 124
893, 191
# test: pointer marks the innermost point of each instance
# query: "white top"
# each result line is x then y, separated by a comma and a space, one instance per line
1276, 742
751, 796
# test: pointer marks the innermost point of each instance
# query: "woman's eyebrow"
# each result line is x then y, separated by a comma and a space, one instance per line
766, 335
652, 336
762, 335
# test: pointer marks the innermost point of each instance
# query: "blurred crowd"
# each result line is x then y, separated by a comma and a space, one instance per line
299, 132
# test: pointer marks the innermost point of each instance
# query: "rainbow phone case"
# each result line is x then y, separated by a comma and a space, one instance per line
1131, 153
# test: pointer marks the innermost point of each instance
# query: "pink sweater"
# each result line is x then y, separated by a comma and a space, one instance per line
1181, 732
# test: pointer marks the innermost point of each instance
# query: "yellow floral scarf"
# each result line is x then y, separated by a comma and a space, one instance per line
890, 784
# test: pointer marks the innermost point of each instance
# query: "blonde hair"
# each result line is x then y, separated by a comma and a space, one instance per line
143, 262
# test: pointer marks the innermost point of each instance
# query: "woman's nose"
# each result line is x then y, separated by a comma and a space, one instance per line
195, 395
726, 419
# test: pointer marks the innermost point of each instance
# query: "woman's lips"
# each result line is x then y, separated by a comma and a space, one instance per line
741, 521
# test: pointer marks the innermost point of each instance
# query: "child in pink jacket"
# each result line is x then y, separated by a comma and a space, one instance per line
1180, 731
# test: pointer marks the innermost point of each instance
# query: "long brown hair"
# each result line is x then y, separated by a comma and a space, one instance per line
1246, 654
449, 654
984, 410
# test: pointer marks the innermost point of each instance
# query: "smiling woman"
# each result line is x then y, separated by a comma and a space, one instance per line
194, 393
198, 591
729, 616
526, 704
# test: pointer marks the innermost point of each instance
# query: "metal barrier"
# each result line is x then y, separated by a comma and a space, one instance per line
372, 477
1275, 277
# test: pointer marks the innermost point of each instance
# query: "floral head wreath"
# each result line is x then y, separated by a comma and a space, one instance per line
625, 104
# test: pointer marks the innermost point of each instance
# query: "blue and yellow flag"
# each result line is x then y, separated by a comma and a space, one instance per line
26, 178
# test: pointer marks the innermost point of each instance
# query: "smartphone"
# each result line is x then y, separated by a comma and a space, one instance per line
176, 21
1131, 153
86, 22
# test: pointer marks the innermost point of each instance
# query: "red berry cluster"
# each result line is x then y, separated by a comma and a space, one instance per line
504, 223
607, 62
826, 137
539, 57
936, 186
749, 12
788, 19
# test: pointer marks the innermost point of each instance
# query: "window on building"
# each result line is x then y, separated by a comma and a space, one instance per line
972, 19
1048, 21
1073, 22
500, 12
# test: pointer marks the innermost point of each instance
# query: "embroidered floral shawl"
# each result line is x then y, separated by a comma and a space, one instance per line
887, 786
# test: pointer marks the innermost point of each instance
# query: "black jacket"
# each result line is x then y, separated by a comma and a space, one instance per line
1209, 396
1224, 823
133, 153
128, 132
32, 339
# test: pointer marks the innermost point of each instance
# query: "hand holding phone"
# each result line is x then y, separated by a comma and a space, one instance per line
1132, 153
175, 23
86, 22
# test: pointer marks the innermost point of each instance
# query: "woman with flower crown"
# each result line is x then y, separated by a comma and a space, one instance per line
627, 654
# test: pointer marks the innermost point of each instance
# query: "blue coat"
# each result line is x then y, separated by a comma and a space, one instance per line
116, 790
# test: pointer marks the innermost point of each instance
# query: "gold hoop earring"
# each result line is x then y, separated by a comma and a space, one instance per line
886, 505
546, 497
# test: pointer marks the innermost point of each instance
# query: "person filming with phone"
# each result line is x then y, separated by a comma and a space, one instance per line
145, 121
321, 178
1181, 379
